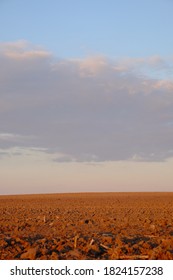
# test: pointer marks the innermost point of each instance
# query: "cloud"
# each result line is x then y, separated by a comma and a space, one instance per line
11, 137
21, 50
92, 109
19, 153
92, 66
8, 140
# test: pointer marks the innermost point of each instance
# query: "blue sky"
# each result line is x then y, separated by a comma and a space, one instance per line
77, 28
86, 96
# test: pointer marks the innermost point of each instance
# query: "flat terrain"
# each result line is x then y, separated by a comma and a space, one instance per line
87, 226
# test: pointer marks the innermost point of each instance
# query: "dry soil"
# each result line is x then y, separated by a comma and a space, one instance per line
87, 226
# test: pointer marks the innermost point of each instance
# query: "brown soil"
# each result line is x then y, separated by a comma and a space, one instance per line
87, 226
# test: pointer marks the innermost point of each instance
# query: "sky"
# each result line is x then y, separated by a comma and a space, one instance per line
86, 96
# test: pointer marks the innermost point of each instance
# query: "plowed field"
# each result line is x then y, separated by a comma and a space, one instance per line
87, 226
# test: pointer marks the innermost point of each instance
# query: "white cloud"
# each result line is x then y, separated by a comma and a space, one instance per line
12, 137
91, 109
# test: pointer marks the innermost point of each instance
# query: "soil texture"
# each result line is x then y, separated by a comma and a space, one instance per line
86, 226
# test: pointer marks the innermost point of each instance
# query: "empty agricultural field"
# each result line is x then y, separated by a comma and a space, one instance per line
86, 226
